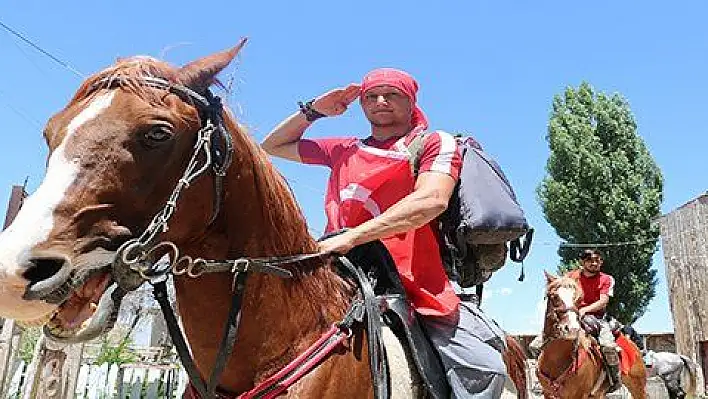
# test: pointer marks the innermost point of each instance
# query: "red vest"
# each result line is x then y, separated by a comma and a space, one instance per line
365, 181
593, 287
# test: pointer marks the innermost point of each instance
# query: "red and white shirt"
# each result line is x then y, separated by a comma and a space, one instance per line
593, 287
368, 177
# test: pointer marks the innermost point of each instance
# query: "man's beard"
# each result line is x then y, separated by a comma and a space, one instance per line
382, 124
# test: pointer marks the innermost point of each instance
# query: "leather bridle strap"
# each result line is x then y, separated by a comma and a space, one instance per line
160, 293
377, 355
228, 337
557, 383
227, 340
240, 267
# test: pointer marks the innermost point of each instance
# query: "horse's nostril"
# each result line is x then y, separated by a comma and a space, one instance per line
43, 268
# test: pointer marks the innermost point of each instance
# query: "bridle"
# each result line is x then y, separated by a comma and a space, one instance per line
212, 139
135, 261
556, 315
134, 264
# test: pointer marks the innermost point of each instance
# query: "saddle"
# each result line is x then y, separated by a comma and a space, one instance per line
394, 310
592, 326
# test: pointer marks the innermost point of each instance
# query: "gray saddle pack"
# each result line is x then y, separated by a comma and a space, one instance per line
483, 221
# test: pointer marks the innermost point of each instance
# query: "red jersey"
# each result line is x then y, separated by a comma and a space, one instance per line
593, 287
368, 177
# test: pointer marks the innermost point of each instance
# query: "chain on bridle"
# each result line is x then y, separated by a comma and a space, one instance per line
216, 144
213, 140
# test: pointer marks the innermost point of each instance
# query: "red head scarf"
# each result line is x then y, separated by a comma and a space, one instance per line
403, 82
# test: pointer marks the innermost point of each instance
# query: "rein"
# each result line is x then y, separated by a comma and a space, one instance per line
303, 363
135, 264
557, 383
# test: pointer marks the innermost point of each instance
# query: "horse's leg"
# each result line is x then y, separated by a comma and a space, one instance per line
515, 361
672, 383
637, 389
670, 389
636, 381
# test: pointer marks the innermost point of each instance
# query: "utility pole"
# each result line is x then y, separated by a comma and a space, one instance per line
10, 333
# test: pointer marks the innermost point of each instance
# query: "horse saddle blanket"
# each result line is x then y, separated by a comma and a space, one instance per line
400, 317
628, 353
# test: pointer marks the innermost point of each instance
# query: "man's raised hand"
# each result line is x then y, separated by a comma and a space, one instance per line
336, 101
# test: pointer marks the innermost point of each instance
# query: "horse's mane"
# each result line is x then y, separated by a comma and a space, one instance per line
275, 193
127, 73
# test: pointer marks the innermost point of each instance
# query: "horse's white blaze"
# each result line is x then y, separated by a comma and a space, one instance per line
34, 222
567, 295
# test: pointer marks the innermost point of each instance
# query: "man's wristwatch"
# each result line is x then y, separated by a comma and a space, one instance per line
310, 113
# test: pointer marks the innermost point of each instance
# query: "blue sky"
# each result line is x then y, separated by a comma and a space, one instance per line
488, 68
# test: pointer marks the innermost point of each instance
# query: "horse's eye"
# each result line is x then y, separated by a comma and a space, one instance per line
158, 134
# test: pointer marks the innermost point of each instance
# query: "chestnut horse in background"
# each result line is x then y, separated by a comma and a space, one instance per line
125, 157
571, 365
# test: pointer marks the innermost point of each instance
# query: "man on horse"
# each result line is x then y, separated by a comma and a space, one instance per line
597, 289
374, 194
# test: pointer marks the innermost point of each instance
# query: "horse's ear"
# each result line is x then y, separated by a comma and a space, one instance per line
201, 74
549, 277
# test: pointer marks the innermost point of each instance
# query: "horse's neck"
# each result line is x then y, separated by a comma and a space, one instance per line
558, 356
261, 219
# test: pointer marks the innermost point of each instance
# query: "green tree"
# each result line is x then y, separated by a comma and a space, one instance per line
28, 341
111, 353
602, 186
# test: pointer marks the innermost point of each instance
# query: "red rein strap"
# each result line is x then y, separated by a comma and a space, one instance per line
557, 383
290, 374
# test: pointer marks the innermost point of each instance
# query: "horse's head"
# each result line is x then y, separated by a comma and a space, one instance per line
116, 153
563, 295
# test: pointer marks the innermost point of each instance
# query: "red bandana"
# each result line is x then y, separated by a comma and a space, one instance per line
403, 82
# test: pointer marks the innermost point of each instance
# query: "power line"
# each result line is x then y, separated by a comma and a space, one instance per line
20, 113
41, 50
608, 244
81, 75
600, 244
27, 57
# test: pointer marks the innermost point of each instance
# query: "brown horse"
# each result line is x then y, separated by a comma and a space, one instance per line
118, 155
570, 364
